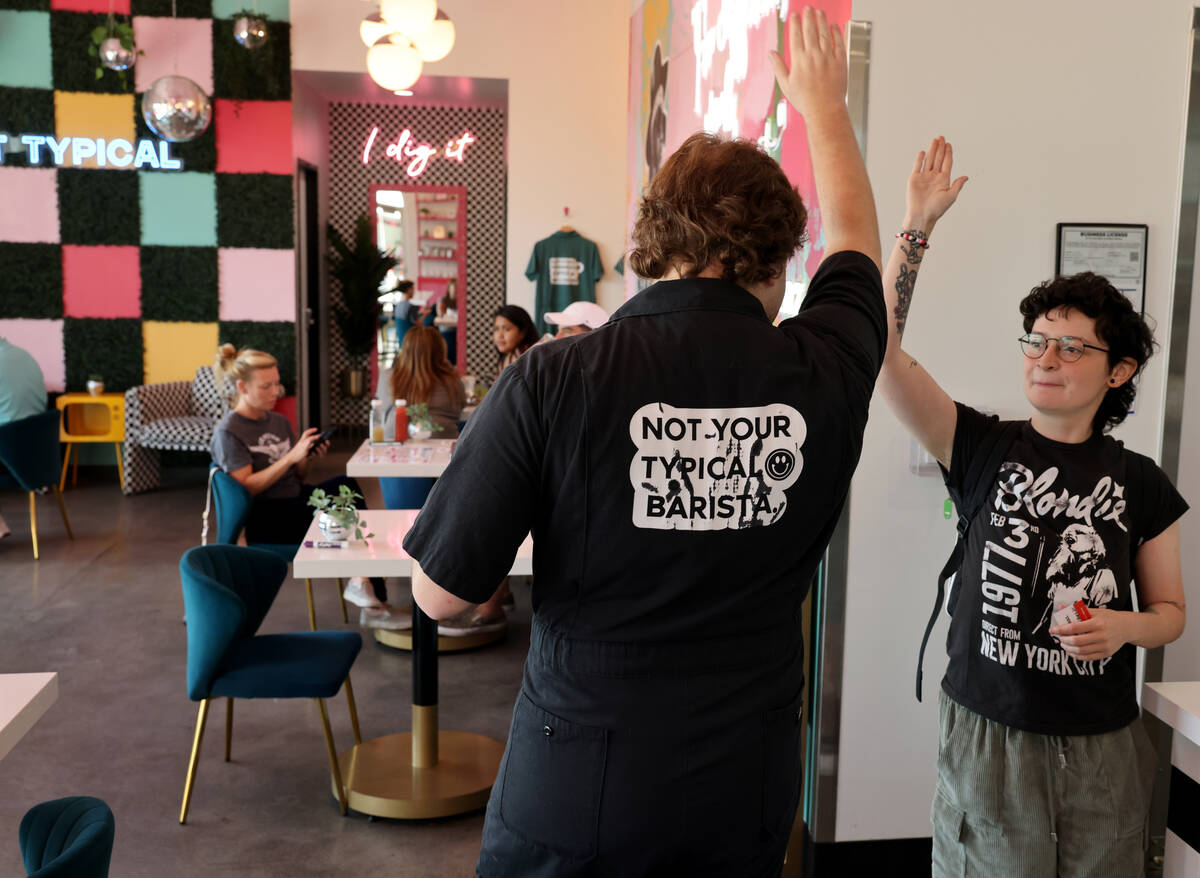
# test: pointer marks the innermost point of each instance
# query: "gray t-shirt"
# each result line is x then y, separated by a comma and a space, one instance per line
239, 440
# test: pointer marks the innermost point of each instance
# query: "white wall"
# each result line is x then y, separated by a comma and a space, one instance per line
1064, 111
566, 63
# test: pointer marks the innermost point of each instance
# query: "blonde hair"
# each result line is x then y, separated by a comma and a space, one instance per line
233, 365
421, 365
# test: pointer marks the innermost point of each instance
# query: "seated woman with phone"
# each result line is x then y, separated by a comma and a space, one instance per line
258, 447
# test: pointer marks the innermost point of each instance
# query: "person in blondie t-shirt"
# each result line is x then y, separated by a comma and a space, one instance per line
681, 469
1043, 766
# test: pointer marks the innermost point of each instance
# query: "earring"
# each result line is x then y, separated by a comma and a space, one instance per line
1112, 381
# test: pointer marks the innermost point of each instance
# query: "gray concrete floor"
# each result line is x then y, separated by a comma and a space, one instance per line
104, 611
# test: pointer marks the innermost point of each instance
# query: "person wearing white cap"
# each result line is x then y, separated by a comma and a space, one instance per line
576, 318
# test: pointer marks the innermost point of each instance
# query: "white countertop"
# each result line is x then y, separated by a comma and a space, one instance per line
414, 458
1177, 705
23, 700
382, 555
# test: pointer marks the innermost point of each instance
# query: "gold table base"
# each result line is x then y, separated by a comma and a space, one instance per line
381, 780
403, 640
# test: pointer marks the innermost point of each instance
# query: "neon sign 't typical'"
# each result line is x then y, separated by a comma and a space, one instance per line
418, 155
115, 153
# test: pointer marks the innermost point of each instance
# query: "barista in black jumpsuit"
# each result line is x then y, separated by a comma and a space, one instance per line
681, 470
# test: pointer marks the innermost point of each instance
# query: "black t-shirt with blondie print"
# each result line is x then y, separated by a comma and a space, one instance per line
1062, 525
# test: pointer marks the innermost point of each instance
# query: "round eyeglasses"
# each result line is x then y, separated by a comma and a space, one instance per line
1070, 349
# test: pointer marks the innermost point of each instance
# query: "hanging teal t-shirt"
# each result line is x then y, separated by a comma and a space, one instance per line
565, 267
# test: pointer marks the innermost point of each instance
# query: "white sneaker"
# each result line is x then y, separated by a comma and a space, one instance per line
361, 593
386, 616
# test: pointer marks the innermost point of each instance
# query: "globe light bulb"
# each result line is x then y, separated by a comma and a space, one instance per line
394, 62
408, 16
373, 29
436, 41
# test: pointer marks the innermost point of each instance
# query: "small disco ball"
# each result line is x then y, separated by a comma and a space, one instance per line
114, 56
176, 109
251, 32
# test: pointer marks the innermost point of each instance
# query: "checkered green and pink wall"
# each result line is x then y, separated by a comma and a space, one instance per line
138, 274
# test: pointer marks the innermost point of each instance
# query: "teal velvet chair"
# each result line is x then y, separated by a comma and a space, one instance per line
29, 451
232, 502
227, 591
67, 838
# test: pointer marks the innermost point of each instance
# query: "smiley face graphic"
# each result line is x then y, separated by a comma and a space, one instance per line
780, 464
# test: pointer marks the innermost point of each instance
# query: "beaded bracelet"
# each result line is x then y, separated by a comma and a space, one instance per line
923, 243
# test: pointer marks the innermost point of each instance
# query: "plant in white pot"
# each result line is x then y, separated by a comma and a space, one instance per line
420, 424
338, 516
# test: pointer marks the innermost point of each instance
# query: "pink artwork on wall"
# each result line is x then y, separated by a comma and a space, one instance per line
256, 284
44, 340
703, 66
253, 137
101, 281
36, 191
162, 38
119, 7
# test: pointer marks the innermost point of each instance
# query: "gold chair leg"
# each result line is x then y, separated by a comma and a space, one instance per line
75, 469
191, 772
333, 760
33, 521
62, 479
62, 510
228, 727
342, 600
353, 711
120, 468
312, 608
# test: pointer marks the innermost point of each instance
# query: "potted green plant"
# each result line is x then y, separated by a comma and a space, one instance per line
420, 424
359, 268
338, 515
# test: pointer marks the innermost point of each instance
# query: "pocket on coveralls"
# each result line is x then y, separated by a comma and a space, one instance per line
553, 780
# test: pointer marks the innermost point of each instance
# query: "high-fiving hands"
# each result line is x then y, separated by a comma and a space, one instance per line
930, 192
816, 81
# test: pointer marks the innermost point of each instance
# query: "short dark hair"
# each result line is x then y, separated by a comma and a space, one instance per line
1121, 329
723, 201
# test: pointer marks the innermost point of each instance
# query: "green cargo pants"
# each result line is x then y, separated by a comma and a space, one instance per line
1014, 803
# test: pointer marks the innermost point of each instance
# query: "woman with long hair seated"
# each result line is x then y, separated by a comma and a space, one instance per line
420, 374
258, 447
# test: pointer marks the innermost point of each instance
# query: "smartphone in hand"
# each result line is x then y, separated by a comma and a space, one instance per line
323, 437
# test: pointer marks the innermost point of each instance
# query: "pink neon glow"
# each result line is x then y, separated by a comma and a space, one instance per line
367, 148
417, 154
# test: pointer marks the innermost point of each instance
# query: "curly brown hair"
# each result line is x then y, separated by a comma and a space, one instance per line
1118, 323
720, 201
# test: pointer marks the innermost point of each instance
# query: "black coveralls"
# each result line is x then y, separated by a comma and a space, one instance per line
681, 469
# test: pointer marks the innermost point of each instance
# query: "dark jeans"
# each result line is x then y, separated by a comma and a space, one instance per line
646, 759
285, 520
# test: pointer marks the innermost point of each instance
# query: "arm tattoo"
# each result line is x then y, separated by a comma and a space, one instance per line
913, 254
904, 292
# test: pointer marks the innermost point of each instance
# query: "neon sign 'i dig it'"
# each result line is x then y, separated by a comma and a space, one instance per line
418, 155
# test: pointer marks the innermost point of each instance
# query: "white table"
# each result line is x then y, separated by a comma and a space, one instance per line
23, 700
427, 772
1178, 706
413, 459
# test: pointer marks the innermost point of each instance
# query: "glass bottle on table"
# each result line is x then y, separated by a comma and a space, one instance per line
401, 420
377, 422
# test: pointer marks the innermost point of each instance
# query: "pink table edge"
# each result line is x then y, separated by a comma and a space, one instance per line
24, 698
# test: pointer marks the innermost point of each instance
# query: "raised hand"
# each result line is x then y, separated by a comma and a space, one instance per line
816, 80
930, 192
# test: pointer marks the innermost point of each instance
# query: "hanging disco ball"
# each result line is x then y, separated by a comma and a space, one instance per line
251, 32
114, 56
176, 109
